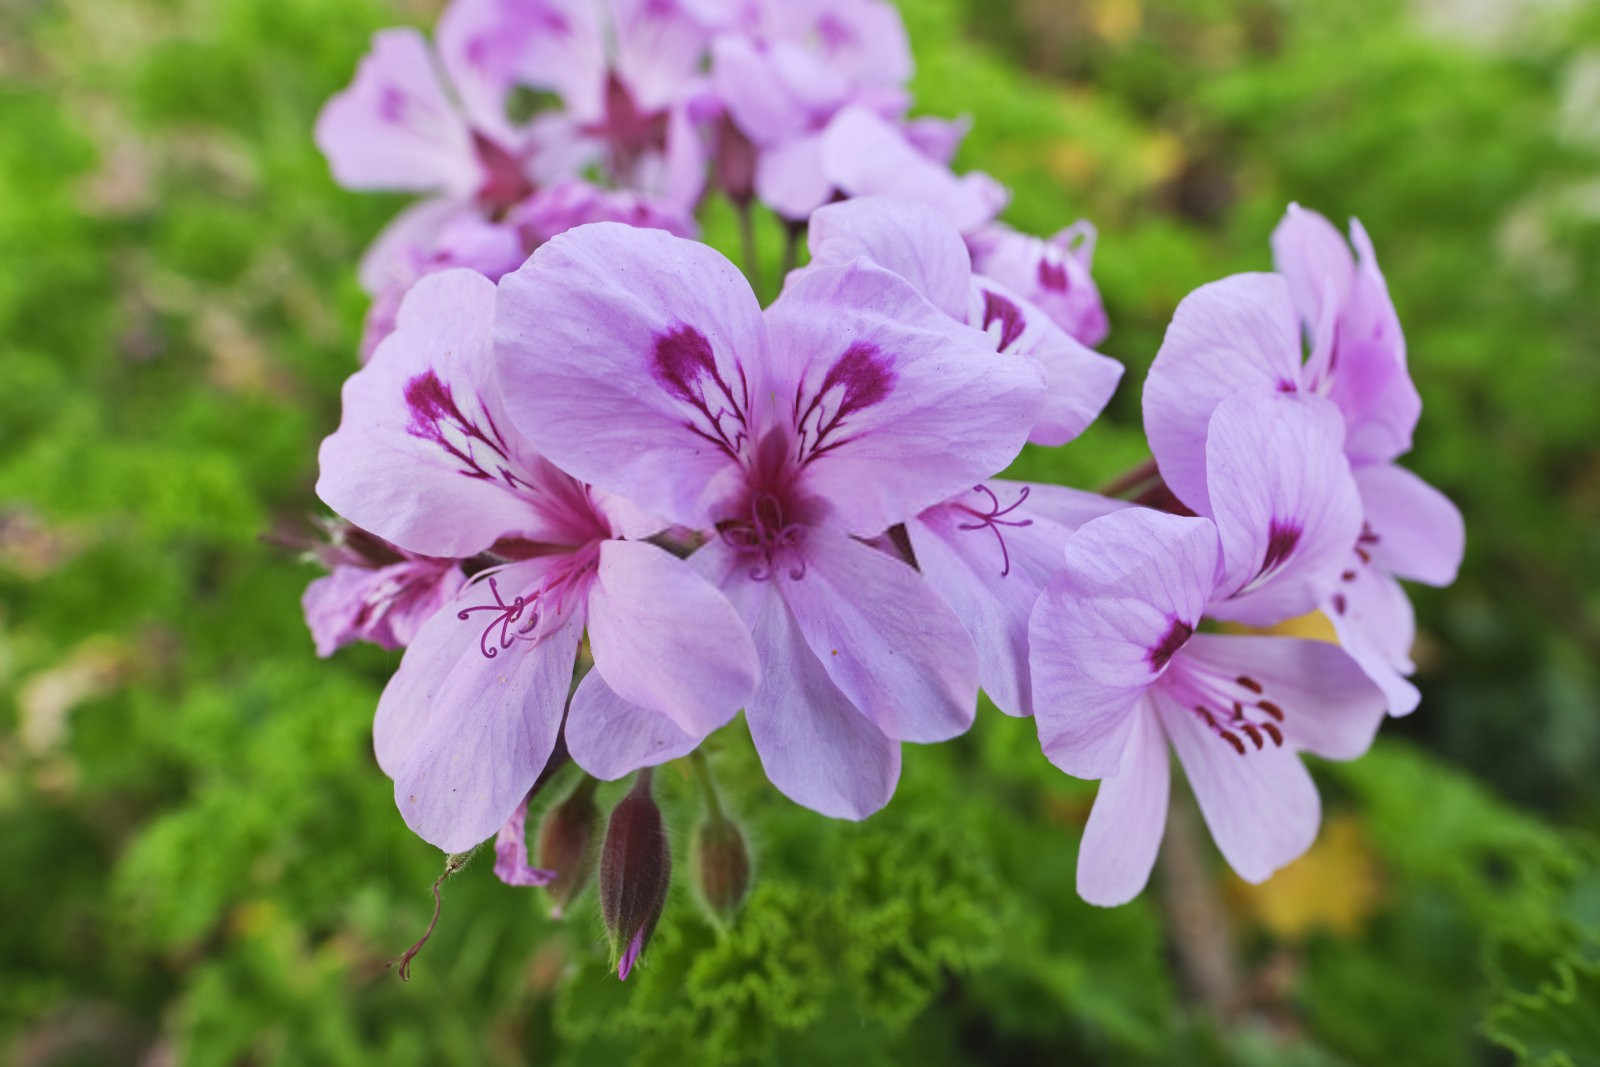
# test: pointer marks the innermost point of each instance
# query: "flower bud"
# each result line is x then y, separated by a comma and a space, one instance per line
569, 844
722, 865
635, 867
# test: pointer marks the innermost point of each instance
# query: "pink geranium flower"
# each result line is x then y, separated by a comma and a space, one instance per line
1052, 274
817, 88
989, 549
1244, 334
643, 364
374, 592
427, 458
1121, 669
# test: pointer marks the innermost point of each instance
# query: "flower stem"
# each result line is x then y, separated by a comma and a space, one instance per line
1133, 479
747, 241
702, 772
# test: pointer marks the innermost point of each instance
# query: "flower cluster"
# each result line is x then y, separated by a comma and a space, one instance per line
606, 500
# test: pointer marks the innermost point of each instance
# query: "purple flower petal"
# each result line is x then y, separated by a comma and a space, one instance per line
1262, 808
1125, 826
894, 406
989, 553
815, 745
609, 737
1416, 532
666, 640
866, 155
909, 239
631, 359
1321, 701
463, 734
1284, 502
395, 128
884, 639
1134, 587
1235, 335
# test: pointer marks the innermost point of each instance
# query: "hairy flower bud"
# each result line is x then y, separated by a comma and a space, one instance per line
635, 867
722, 865
569, 840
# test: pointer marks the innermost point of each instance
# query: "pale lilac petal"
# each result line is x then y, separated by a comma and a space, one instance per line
1284, 502
790, 178
683, 164
422, 457
666, 640
1053, 275
559, 207
863, 40
1078, 382
558, 45
511, 864
1420, 534
866, 155
463, 238
883, 638
394, 127
1262, 808
659, 48
815, 745
1132, 591
1128, 819
1315, 261
896, 405
1370, 382
758, 103
912, 240
384, 605
463, 735
392, 257
1328, 704
1373, 619
937, 138
989, 558
609, 737
1236, 335
632, 358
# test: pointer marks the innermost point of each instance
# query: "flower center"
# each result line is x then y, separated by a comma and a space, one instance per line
765, 536
1234, 709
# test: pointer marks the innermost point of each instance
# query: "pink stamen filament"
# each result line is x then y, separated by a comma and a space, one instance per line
1235, 710
994, 518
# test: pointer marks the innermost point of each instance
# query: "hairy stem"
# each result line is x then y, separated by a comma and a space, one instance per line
1197, 922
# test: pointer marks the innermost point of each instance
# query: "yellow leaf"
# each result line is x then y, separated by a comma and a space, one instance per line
1334, 886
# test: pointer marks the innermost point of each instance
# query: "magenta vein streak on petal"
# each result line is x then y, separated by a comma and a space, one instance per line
686, 368
863, 378
998, 308
993, 519
432, 403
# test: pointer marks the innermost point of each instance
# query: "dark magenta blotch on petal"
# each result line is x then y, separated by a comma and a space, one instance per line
997, 308
1282, 537
858, 379
685, 366
1053, 276
1176, 636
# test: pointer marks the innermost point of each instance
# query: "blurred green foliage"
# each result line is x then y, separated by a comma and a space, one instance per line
202, 861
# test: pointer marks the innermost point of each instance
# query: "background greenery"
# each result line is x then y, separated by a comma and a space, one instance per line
200, 862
